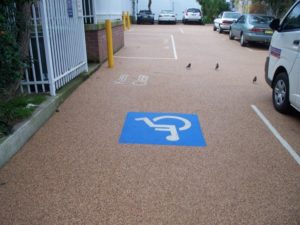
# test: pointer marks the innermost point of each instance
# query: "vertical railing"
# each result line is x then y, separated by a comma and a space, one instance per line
89, 11
59, 52
35, 78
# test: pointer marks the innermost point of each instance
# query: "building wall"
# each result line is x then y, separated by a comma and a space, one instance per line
178, 6
112, 9
96, 42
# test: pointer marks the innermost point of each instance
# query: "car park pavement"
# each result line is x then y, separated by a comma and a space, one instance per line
111, 155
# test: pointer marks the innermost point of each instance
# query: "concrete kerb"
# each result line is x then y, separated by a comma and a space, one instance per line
10, 145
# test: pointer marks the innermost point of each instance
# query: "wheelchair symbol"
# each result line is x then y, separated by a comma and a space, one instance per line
167, 127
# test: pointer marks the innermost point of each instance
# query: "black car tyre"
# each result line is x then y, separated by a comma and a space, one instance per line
280, 93
214, 28
243, 41
231, 36
220, 30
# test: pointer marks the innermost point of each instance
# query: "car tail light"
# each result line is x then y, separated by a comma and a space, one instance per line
186, 13
257, 30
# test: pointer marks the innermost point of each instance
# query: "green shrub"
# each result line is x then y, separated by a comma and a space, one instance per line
16, 110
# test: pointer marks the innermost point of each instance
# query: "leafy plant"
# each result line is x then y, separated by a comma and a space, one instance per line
14, 38
211, 8
17, 109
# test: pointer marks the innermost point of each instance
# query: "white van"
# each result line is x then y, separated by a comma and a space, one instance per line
282, 68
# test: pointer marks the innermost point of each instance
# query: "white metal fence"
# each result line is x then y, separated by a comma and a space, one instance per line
89, 11
57, 48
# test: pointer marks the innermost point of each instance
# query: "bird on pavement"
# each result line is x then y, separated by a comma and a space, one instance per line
254, 79
217, 66
189, 66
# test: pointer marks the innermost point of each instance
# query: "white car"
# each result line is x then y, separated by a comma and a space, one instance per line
282, 68
167, 16
192, 15
224, 20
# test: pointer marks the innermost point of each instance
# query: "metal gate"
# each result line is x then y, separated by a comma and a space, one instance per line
57, 48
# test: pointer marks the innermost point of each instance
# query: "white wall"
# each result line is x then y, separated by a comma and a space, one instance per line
177, 5
108, 9
112, 9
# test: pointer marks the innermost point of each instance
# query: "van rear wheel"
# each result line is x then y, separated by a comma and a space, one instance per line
280, 94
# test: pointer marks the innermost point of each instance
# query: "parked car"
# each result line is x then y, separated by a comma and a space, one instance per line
167, 16
282, 68
192, 15
145, 16
224, 20
251, 28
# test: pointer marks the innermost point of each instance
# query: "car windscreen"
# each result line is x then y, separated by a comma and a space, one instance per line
253, 19
193, 10
231, 15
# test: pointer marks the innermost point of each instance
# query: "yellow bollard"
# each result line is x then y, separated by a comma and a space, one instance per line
128, 20
110, 50
124, 20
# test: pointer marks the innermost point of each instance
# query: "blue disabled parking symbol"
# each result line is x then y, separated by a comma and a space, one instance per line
162, 129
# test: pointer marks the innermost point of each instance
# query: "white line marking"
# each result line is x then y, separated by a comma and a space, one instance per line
277, 135
148, 34
141, 81
174, 47
180, 29
249, 49
147, 58
122, 79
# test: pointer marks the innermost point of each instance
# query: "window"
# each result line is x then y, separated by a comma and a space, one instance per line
231, 15
241, 19
292, 21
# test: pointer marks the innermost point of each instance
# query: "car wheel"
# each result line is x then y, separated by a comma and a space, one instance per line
231, 37
280, 94
243, 41
214, 28
220, 30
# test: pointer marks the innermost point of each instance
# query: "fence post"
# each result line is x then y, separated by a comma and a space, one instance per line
47, 48
110, 50
128, 20
124, 20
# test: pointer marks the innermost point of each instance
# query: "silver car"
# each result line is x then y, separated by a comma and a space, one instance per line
252, 28
224, 20
167, 16
192, 15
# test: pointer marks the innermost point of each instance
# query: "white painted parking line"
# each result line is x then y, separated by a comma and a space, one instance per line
145, 58
174, 47
180, 29
277, 135
149, 34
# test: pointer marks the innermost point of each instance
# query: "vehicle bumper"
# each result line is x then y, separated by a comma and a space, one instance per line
258, 38
193, 19
225, 26
146, 19
268, 80
166, 19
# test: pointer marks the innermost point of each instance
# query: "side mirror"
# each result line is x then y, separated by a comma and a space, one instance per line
275, 24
